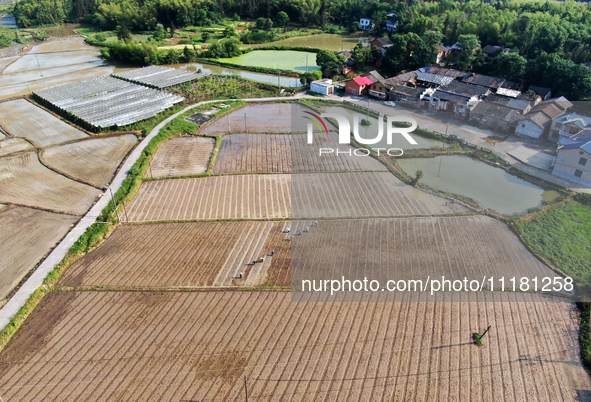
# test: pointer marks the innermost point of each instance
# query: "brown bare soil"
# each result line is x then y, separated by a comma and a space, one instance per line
92, 161
26, 236
405, 249
198, 346
23, 119
263, 118
24, 180
220, 197
12, 145
182, 255
281, 153
361, 194
182, 157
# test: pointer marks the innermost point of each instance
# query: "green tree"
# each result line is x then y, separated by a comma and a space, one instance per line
229, 31
361, 55
205, 36
282, 18
510, 66
354, 27
123, 33
188, 55
231, 47
159, 33
468, 43
326, 59
215, 50
260, 24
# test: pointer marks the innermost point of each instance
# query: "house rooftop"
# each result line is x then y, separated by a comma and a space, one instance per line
484, 80
450, 96
549, 109
494, 111
580, 120
543, 91
434, 78
538, 118
362, 81
462, 88
582, 143
407, 91
511, 93
374, 76
448, 72
385, 41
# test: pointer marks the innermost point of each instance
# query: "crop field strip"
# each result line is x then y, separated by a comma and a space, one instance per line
92, 161
25, 181
411, 249
158, 76
219, 197
12, 145
182, 156
23, 119
110, 345
361, 194
108, 101
261, 118
189, 254
286, 153
26, 236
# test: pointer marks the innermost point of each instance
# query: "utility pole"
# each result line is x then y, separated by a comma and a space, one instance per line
245, 389
228, 116
113, 199
244, 122
125, 210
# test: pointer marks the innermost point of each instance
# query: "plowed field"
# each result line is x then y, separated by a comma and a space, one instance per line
92, 161
220, 197
182, 157
12, 145
26, 236
281, 153
23, 119
198, 346
185, 254
24, 180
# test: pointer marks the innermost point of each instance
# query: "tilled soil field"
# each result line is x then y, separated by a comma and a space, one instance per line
361, 194
183, 254
182, 157
92, 161
264, 118
220, 197
199, 346
406, 249
26, 236
23, 119
25, 181
283, 153
12, 145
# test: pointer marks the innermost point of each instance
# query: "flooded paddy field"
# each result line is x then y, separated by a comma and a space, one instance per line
280, 59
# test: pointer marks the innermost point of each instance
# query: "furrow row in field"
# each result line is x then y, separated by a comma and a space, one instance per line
111, 345
182, 156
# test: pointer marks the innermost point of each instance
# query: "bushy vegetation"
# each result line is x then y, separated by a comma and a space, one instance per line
562, 234
216, 87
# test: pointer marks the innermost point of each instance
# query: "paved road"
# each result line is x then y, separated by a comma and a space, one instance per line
19, 299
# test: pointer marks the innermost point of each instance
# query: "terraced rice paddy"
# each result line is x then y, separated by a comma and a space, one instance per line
27, 235
219, 197
25, 181
23, 119
92, 161
199, 346
189, 254
182, 156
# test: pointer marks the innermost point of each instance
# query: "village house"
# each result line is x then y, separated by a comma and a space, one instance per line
382, 43
357, 86
323, 86
567, 125
365, 24
484, 80
494, 116
493, 51
536, 123
411, 96
391, 22
544, 92
573, 161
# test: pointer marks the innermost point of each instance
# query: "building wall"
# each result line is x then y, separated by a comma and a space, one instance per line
351, 87
529, 128
568, 162
321, 89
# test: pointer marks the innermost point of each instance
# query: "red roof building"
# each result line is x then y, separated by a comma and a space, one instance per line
357, 85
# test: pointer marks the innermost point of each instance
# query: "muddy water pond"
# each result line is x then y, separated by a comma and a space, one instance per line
490, 187
371, 131
267, 78
280, 59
